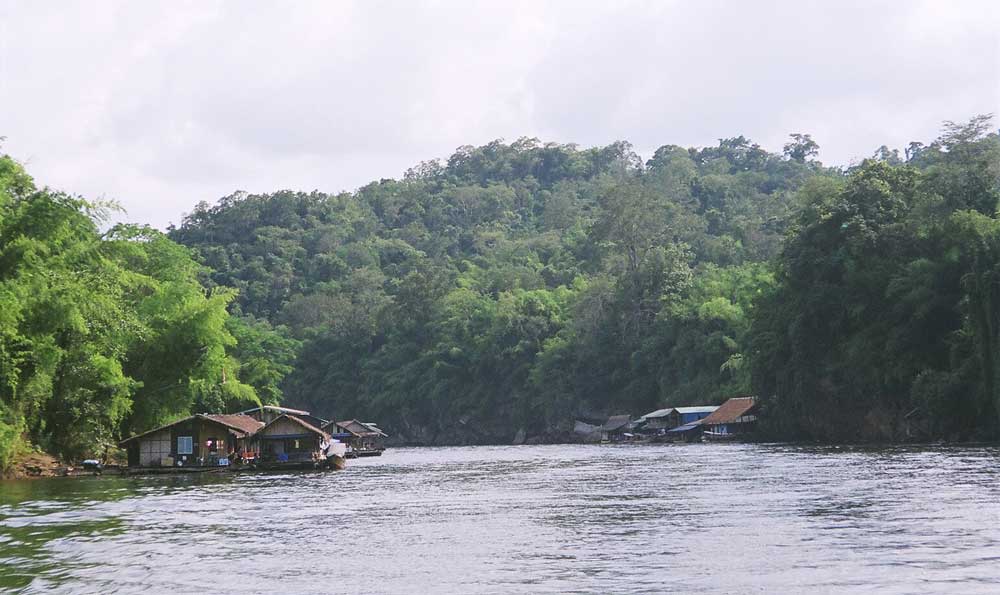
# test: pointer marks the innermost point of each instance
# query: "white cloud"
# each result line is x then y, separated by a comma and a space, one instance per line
163, 105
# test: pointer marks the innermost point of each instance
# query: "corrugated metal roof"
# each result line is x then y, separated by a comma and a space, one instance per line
697, 409
308, 426
355, 427
237, 421
731, 410
685, 427
656, 414
319, 422
278, 409
373, 428
157, 429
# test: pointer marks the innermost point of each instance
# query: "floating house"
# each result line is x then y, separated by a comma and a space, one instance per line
290, 441
362, 439
203, 440
616, 429
733, 419
287, 439
684, 415
655, 422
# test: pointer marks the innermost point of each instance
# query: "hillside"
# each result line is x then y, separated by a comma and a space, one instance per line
519, 286
515, 285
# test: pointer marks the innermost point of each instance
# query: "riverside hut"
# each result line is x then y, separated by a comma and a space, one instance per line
363, 439
202, 440
733, 419
654, 423
684, 415
288, 441
616, 428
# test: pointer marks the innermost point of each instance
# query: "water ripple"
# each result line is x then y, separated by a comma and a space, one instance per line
529, 519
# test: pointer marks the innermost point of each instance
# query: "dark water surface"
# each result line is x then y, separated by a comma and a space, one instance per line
526, 519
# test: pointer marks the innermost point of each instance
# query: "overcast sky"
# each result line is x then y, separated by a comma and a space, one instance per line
162, 105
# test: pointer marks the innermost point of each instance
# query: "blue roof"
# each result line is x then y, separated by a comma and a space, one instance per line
686, 427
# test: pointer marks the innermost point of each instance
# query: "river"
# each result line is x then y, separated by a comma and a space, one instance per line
699, 518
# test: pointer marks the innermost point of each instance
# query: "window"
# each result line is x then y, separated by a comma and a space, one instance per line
185, 445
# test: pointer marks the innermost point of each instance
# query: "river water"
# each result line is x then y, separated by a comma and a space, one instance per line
699, 518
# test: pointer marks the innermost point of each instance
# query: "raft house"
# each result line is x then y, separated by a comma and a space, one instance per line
617, 429
289, 441
686, 415
202, 440
654, 422
267, 437
673, 423
733, 420
362, 439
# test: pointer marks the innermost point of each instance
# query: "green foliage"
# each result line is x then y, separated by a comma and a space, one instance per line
883, 324
519, 285
514, 285
101, 334
12, 443
264, 355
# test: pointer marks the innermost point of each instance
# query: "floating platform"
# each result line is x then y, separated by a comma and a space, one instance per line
331, 464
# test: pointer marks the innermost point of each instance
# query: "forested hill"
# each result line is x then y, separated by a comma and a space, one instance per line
517, 287
520, 286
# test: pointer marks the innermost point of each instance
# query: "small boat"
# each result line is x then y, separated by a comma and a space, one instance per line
336, 454
710, 436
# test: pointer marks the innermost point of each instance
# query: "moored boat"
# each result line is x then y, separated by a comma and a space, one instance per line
710, 436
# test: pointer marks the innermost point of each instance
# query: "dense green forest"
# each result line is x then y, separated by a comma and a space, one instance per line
106, 332
517, 287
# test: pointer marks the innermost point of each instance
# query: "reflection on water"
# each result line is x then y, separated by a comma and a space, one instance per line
527, 519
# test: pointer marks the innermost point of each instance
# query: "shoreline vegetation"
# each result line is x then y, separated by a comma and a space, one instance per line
503, 293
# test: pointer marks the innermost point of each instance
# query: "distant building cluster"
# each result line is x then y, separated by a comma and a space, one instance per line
735, 419
262, 437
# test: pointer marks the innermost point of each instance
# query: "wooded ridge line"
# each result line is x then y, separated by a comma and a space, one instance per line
517, 287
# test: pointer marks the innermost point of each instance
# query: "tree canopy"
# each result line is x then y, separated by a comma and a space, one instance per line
519, 286
514, 286
103, 333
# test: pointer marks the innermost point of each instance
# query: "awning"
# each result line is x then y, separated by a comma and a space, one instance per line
685, 428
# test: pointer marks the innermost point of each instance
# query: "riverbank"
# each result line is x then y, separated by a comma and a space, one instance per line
40, 465
35, 464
